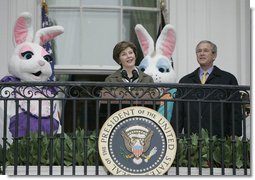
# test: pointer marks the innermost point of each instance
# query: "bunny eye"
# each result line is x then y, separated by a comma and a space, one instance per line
163, 70
144, 64
48, 58
163, 65
142, 69
27, 54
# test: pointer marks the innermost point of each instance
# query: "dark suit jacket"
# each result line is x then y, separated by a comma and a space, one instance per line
216, 117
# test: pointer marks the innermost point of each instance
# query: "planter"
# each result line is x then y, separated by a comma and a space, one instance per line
56, 170
91, 170
206, 171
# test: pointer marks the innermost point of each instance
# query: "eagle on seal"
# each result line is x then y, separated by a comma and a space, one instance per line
137, 143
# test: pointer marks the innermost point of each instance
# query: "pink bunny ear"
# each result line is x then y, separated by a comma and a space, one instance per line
145, 40
23, 30
166, 41
46, 34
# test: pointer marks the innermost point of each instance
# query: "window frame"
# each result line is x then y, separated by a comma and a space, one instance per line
99, 69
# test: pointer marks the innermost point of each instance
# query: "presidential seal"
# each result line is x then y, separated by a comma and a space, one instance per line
137, 141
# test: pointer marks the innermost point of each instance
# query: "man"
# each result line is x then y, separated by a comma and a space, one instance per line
191, 116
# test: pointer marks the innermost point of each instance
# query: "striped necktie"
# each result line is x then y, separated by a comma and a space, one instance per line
204, 77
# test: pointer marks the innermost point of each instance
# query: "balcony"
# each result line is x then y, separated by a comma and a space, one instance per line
55, 126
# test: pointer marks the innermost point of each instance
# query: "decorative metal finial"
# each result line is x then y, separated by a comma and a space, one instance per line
162, 5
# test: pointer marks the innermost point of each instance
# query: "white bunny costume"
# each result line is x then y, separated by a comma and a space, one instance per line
30, 62
157, 60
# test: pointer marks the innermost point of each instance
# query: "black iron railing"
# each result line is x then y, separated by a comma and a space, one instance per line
52, 128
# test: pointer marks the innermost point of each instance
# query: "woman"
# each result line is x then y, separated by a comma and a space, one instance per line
125, 54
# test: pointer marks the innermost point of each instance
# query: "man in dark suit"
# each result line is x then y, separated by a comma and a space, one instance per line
218, 117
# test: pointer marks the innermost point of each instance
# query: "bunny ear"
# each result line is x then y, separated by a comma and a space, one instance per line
166, 41
145, 40
46, 34
23, 30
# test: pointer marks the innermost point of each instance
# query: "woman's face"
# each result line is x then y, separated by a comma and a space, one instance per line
127, 58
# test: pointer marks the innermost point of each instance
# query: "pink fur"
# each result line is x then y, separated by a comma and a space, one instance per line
169, 44
46, 37
47, 34
20, 30
44, 52
24, 49
143, 42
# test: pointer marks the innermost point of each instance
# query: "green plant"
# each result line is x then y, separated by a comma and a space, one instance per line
195, 151
78, 148
228, 147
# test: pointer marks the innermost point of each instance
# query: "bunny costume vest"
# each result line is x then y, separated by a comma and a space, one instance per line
19, 125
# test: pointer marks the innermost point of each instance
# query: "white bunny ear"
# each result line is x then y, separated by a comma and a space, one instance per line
23, 29
166, 41
145, 40
46, 34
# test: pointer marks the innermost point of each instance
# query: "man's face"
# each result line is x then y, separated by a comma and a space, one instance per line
205, 56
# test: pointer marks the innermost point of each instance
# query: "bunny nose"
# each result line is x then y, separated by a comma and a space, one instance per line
41, 63
149, 73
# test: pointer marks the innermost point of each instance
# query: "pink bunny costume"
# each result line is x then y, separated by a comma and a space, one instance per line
30, 62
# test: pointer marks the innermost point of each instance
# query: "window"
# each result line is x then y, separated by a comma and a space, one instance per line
93, 27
